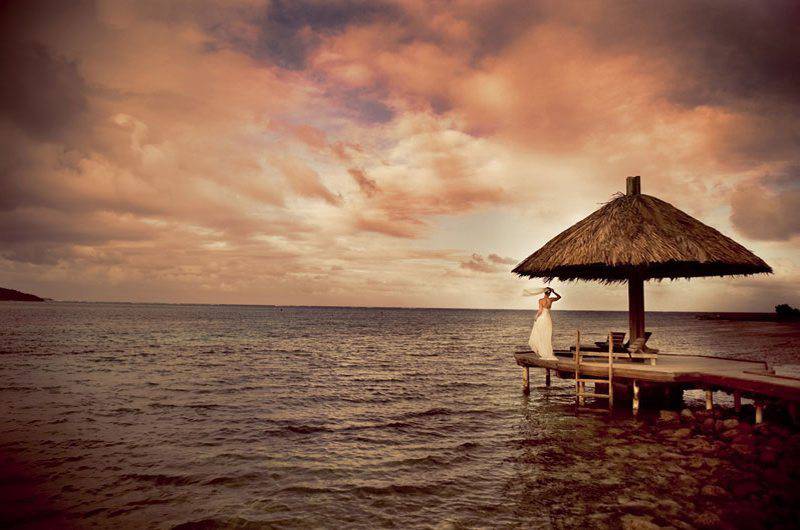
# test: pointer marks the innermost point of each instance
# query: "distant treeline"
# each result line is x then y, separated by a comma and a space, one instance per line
787, 311
17, 296
782, 312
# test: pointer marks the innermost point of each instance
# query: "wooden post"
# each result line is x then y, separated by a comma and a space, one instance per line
635, 307
547, 378
709, 399
759, 412
633, 185
578, 388
737, 401
610, 372
526, 380
791, 408
635, 397
635, 282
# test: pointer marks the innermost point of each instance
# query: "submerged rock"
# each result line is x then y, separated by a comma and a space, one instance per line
710, 490
743, 449
638, 522
642, 451
701, 445
731, 423
685, 481
695, 462
637, 504
668, 416
669, 506
707, 520
616, 451
687, 415
730, 434
682, 433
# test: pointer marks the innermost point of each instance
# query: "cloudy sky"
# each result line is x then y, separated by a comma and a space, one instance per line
398, 153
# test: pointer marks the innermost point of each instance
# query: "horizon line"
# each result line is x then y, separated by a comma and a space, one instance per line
382, 307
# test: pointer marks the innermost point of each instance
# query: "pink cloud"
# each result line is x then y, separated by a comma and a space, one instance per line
367, 185
303, 180
491, 263
494, 258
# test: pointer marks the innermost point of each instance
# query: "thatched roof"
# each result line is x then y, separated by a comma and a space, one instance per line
643, 236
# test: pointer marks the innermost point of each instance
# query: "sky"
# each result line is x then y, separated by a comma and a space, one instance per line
385, 153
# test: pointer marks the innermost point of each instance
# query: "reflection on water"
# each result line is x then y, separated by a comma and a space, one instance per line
160, 415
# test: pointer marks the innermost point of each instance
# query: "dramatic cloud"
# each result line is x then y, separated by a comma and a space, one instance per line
381, 152
768, 208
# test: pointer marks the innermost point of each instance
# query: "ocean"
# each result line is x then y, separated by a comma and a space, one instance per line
217, 416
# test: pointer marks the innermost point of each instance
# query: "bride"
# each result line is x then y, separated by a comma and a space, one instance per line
541, 340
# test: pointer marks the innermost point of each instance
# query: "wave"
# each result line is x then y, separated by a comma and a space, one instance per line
306, 429
161, 479
238, 523
400, 489
444, 411
228, 480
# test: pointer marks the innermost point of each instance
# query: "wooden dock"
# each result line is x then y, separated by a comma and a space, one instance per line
741, 378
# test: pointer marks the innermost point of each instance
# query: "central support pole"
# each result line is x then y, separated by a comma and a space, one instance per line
635, 307
633, 186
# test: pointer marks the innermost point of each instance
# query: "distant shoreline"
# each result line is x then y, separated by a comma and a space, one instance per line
747, 317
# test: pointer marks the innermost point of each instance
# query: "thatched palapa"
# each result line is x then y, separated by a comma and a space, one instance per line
639, 235
634, 238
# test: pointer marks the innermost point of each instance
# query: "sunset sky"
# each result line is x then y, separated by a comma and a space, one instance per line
398, 153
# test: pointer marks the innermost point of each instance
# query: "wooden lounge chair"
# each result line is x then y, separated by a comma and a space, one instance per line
618, 337
639, 345
636, 349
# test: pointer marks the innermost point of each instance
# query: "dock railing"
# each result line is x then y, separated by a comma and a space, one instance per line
580, 382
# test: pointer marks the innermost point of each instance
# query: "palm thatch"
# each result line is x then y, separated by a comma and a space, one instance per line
643, 237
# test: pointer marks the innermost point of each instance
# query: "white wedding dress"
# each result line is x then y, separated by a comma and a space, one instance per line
541, 340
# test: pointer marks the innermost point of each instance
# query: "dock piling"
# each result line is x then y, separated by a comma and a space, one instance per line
610, 373
579, 390
635, 397
759, 412
737, 401
709, 399
526, 380
547, 378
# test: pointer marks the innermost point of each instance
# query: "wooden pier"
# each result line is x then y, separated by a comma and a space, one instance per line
674, 373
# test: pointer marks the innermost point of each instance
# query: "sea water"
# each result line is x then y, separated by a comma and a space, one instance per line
207, 416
